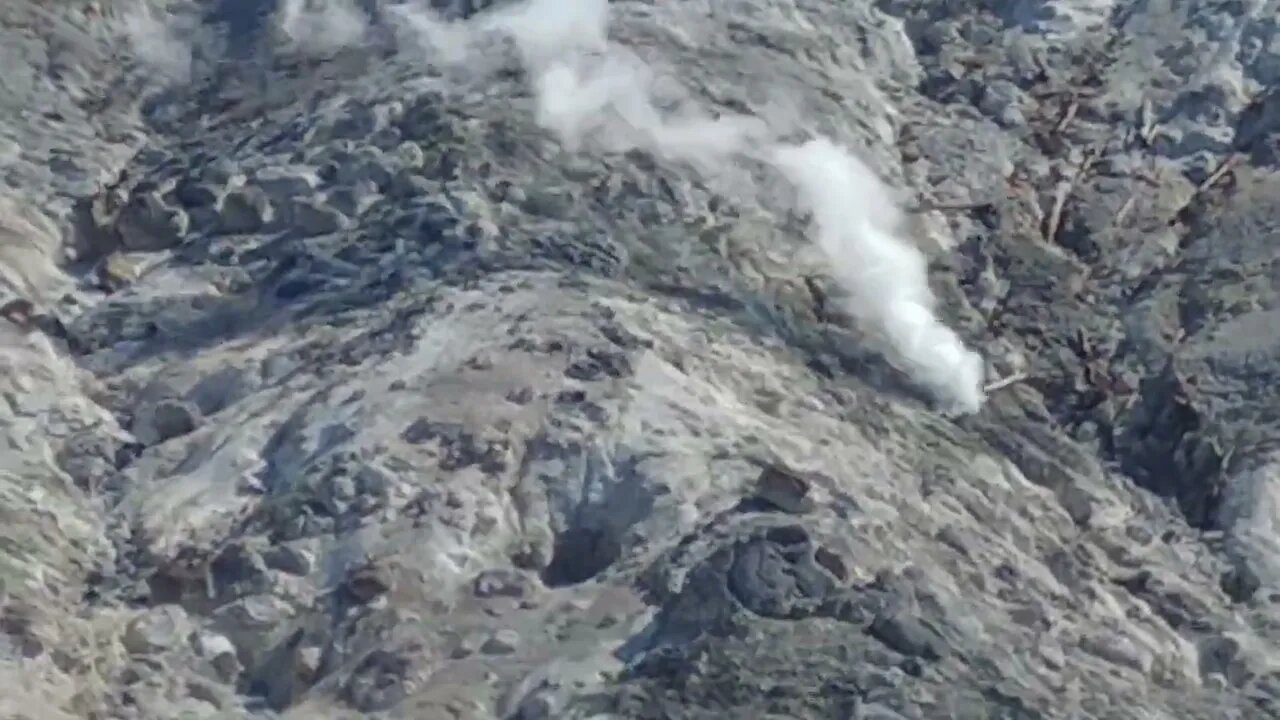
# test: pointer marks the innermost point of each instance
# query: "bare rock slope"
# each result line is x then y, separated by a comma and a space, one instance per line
337, 385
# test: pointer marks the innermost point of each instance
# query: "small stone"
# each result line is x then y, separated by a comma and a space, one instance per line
313, 218
255, 613
784, 490
207, 693
410, 155
286, 181
366, 584
386, 138
374, 480
222, 388
1218, 654
239, 570
1000, 100
223, 171
502, 642
18, 311
309, 659
541, 705
516, 195
1240, 583
118, 270
147, 225
368, 165
1216, 681
244, 210
353, 201
343, 487
520, 396
175, 417
166, 420
1119, 650
501, 583
192, 194
409, 184
906, 635
548, 204
467, 646
284, 558
1077, 503
220, 653
210, 645
355, 122
1052, 655
160, 628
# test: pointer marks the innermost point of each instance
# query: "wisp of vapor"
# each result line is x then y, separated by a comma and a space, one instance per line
588, 89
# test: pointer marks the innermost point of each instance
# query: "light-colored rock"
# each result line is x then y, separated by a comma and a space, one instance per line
158, 629
502, 642
220, 653
282, 183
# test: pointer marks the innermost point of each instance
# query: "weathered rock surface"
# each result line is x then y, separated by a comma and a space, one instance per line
335, 387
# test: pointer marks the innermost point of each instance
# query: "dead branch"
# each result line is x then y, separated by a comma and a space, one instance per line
1005, 382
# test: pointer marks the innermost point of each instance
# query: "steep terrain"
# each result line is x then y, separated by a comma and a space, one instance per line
341, 378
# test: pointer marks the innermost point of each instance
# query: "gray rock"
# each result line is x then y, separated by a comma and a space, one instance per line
164, 421
1241, 583
219, 651
244, 210
543, 202
285, 558
284, 183
193, 194
147, 224
907, 635
501, 583
353, 201
785, 491
253, 614
410, 184
502, 642
410, 156
217, 390
467, 646
356, 121
378, 682
1002, 101
310, 217
156, 630
367, 583
1119, 650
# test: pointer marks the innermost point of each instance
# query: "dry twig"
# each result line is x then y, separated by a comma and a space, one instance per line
1005, 382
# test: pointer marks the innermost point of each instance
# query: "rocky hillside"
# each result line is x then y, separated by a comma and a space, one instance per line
356, 364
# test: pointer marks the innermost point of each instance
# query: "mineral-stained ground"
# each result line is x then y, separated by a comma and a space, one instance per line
336, 386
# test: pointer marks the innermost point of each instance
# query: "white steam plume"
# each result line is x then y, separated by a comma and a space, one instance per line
450, 44
321, 26
157, 44
589, 91
886, 277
